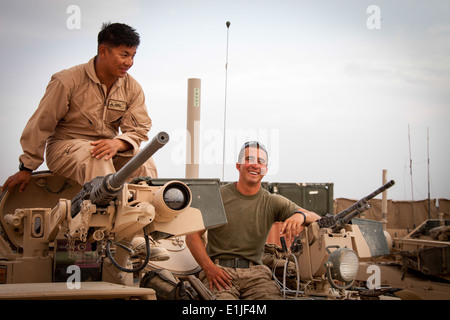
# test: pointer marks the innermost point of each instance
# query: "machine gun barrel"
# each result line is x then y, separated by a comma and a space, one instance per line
101, 190
119, 178
343, 217
355, 206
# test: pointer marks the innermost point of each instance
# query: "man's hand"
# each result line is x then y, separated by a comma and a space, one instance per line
292, 226
22, 177
218, 278
108, 148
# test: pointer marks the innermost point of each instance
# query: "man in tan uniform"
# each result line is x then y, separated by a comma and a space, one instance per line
231, 262
77, 121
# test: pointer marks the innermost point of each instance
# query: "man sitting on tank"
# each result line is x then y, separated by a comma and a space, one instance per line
78, 119
231, 261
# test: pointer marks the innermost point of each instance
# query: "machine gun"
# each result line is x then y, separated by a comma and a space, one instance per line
330, 248
339, 220
106, 210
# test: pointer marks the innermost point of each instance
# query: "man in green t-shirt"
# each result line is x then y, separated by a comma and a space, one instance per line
231, 261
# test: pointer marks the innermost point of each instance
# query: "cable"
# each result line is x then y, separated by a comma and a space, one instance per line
284, 276
141, 267
282, 285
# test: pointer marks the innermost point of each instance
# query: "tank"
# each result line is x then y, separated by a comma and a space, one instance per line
58, 235
60, 240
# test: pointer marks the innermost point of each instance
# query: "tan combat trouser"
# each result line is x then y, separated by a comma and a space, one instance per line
254, 283
72, 159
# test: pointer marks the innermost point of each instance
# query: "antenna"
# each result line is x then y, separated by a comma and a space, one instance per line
225, 107
410, 172
428, 160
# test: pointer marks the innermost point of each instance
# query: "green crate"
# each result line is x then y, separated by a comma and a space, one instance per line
317, 197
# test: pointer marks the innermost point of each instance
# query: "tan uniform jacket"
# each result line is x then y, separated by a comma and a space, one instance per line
75, 106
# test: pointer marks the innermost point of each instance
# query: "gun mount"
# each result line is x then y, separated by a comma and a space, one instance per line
103, 219
328, 250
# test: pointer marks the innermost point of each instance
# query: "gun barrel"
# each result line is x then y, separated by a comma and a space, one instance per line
380, 190
365, 199
101, 190
119, 178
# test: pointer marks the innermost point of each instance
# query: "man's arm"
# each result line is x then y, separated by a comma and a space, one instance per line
39, 127
216, 276
52, 108
292, 226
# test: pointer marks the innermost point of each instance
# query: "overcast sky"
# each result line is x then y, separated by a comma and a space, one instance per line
329, 86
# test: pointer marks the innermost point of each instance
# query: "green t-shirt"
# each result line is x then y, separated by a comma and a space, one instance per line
250, 219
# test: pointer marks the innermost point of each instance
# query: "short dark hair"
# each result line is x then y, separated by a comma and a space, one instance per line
256, 144
117, 34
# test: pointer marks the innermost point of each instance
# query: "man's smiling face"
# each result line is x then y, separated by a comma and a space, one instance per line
119, 60
253, 166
